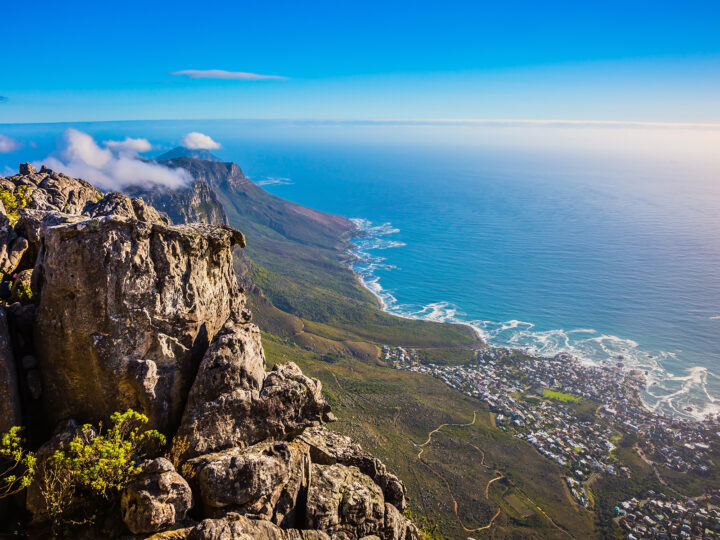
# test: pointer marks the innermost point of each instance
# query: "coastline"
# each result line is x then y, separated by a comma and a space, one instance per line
647, 376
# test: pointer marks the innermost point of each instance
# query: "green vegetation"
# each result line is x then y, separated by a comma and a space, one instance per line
389, 412
93, 465
17, 465
561, 396
24, 293
14, 201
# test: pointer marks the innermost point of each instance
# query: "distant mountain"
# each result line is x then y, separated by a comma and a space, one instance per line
181, 151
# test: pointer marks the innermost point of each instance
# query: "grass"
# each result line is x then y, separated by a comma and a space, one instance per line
390, 411
561, 396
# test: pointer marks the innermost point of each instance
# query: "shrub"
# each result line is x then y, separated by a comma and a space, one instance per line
14, 201
95, 464
105, 463
18, 465
24, 293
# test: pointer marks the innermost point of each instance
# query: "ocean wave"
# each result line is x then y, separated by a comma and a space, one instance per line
678, 394
274, 181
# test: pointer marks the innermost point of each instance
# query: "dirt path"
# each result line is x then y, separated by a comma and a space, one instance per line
558, 527
447, 484
487, 487
434, 431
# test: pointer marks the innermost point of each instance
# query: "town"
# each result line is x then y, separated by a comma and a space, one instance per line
575, 415
657, 516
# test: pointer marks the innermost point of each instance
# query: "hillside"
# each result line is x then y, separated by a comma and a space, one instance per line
313, 310
296, 270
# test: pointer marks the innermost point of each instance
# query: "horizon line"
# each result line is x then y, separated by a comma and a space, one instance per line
416, 121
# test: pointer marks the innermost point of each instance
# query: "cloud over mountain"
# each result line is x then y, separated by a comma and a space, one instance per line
8, 144
225, 75
133, 146
113, 166
199, 141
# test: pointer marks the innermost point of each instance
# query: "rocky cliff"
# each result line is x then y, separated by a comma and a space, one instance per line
124, 309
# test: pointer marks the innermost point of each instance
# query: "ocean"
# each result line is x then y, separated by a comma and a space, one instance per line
604, 243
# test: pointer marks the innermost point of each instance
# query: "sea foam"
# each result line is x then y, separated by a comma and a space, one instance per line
683, 395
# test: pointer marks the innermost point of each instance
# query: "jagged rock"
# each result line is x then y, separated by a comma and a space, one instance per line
125, 313
10, 412
29, 225
158, 498
264, 480
233, 403
117, 204
51, 191
197, 202
344, 502
26, 168
328, 447
236, 527
10, 256
396, 526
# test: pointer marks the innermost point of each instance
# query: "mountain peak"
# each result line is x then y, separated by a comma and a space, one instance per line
181, 151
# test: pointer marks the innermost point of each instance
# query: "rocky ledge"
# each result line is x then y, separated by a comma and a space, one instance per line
127, 310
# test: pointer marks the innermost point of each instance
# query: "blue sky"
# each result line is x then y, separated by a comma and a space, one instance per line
84, 61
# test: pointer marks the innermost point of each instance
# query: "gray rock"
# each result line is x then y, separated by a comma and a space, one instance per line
234, 403
344, 502
328, 447
10, 412
264, 480
158, 498
26, 168
125, 314
236, 527
13, 254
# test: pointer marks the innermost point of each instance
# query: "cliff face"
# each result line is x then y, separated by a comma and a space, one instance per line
129, 310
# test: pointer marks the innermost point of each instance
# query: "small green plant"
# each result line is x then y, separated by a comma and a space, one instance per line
14, 201
18, 465
428, 529
24, 292
105, 463
95, 464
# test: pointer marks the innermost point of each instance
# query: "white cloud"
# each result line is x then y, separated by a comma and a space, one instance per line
129, 146
199, 141
7, 144
225, 75
109, 169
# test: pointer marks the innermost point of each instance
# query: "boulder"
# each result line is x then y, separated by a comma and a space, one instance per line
328, 447
11, 254
264, 480
236, 527
344, 502
126, 310
157, 499
234, 403
117, 204
10, 412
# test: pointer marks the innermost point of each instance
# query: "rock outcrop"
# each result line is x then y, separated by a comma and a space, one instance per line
130, 311
126, 311
159, 497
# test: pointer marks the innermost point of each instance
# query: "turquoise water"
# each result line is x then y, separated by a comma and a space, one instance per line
547, 250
